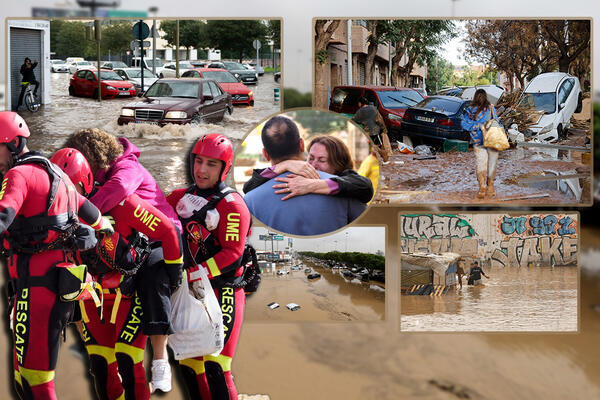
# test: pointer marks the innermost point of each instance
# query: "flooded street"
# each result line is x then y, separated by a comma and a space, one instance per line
163, 149
329, 298
513, 299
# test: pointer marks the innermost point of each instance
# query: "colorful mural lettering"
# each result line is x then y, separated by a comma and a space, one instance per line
540, 250
538, 225
433, 226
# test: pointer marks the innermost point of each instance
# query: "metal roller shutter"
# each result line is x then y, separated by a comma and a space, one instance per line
24, 43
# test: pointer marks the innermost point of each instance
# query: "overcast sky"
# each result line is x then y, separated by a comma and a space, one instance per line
298, 33
361, 239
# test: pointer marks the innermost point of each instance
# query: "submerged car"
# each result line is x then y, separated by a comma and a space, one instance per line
59, 66
242, 74
113, 65
436, 118
134, 75
390, 101
178, 101
556, 94
240, 93
169, 70
85, 83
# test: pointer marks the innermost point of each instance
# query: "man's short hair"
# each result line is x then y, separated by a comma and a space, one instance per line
281, 138
363, 100
475, 263
27, 58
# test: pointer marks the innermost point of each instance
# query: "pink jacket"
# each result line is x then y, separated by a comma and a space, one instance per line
126, 176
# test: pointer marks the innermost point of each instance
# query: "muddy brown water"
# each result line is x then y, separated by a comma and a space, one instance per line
163, 149
513, 299
329, 298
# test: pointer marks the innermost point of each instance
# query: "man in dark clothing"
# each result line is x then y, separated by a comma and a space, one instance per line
28, 77
475, 274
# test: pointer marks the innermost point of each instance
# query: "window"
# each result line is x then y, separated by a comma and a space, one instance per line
206, 89
371, 98
81, 74
216, 90
565, 90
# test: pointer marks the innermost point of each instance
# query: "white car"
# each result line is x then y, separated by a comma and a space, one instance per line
168, 70
558, 95
77, 65
253, 67
134, 76
494, 93
59, 66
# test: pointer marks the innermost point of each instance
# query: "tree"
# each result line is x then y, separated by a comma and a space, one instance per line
415, 41
324, 30
571, 39
274, 32
319, 121
192, 33
234, 37
440, 73
373, 41
116, 38
70, 40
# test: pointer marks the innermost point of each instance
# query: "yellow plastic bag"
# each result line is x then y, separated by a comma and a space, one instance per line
494, 136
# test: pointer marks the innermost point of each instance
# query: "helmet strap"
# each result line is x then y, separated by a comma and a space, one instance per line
16, 150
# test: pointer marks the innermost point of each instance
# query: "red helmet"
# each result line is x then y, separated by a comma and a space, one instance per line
74, 164
214, 145
11, 126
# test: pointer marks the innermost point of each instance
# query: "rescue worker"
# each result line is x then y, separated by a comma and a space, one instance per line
39, 218
115, 166
215, 242
114, 340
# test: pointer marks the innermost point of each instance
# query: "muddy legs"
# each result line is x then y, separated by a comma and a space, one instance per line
491, 172
481, 164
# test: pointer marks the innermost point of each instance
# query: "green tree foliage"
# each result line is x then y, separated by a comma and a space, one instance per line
293, 98
234, 37
361, 260
274, 32
440, 73
67, 39
116, 37
192, 33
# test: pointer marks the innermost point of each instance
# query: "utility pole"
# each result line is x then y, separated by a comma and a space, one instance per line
97, 35
349, 52
177, 49
153, 10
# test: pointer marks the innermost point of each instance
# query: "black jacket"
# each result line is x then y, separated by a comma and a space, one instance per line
28, 75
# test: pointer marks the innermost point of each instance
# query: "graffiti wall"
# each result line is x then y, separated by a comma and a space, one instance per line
500, 239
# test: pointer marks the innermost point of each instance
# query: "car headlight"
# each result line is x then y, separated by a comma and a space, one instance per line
250, 94
236, 75
256, 75
394, 117
127, 112
547, 129
110, 87
176, 115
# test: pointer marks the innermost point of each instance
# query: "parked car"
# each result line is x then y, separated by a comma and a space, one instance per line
259, 70
452, 91
558, 95
71, 60
148, 63
435, 118
134, 75
77, 65
238, 70
85, 83
168, 70
240, 93
494, 92
113, 65
390, 101
199, 63
59, 66
178, 101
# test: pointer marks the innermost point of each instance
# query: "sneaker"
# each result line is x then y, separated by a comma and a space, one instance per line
161, 375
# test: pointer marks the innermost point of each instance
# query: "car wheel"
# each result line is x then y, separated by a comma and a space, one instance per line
230, 110
72, 91
579, 103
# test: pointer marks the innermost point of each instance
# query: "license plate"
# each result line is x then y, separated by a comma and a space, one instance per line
124, 94
425, 119
147, 122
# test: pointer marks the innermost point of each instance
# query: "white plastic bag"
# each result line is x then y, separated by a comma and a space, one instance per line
198, 324
190, 203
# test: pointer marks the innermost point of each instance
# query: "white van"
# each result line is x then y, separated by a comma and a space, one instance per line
558, 95
71, 60
148, 62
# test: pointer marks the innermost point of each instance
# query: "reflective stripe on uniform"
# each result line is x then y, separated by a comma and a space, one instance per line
36, 377
196, 365
84, 315
98, 221
108, 353
222, 360
136, 354
115, 309
212, 266
178, 261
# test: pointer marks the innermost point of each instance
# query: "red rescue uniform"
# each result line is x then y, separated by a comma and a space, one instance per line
220, 252
116, 342
38, 316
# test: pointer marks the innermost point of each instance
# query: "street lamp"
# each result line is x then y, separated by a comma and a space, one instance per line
153, 10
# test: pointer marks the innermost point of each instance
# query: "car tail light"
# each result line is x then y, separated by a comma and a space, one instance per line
445, 122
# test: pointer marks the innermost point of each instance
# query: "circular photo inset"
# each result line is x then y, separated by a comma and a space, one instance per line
306, 172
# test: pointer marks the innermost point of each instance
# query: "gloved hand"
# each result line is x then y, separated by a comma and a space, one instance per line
175, 274
106, 226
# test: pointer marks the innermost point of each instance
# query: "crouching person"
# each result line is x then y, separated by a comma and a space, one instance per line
215, 223
114, 337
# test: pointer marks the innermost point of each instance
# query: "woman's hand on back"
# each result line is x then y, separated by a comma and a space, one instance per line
297, 167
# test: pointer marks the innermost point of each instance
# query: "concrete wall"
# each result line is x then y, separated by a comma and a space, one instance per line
503, 239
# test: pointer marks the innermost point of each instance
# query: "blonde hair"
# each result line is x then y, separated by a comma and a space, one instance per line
99, 147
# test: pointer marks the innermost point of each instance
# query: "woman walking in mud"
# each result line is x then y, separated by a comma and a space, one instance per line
476, 115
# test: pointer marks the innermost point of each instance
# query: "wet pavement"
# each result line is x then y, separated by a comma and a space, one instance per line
163, 149
332, 297
450, 177
513, 299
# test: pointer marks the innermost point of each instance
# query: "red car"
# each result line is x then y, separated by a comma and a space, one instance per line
85, 83
240, 93
390, 101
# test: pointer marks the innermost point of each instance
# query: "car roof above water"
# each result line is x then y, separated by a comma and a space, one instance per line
547, 82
